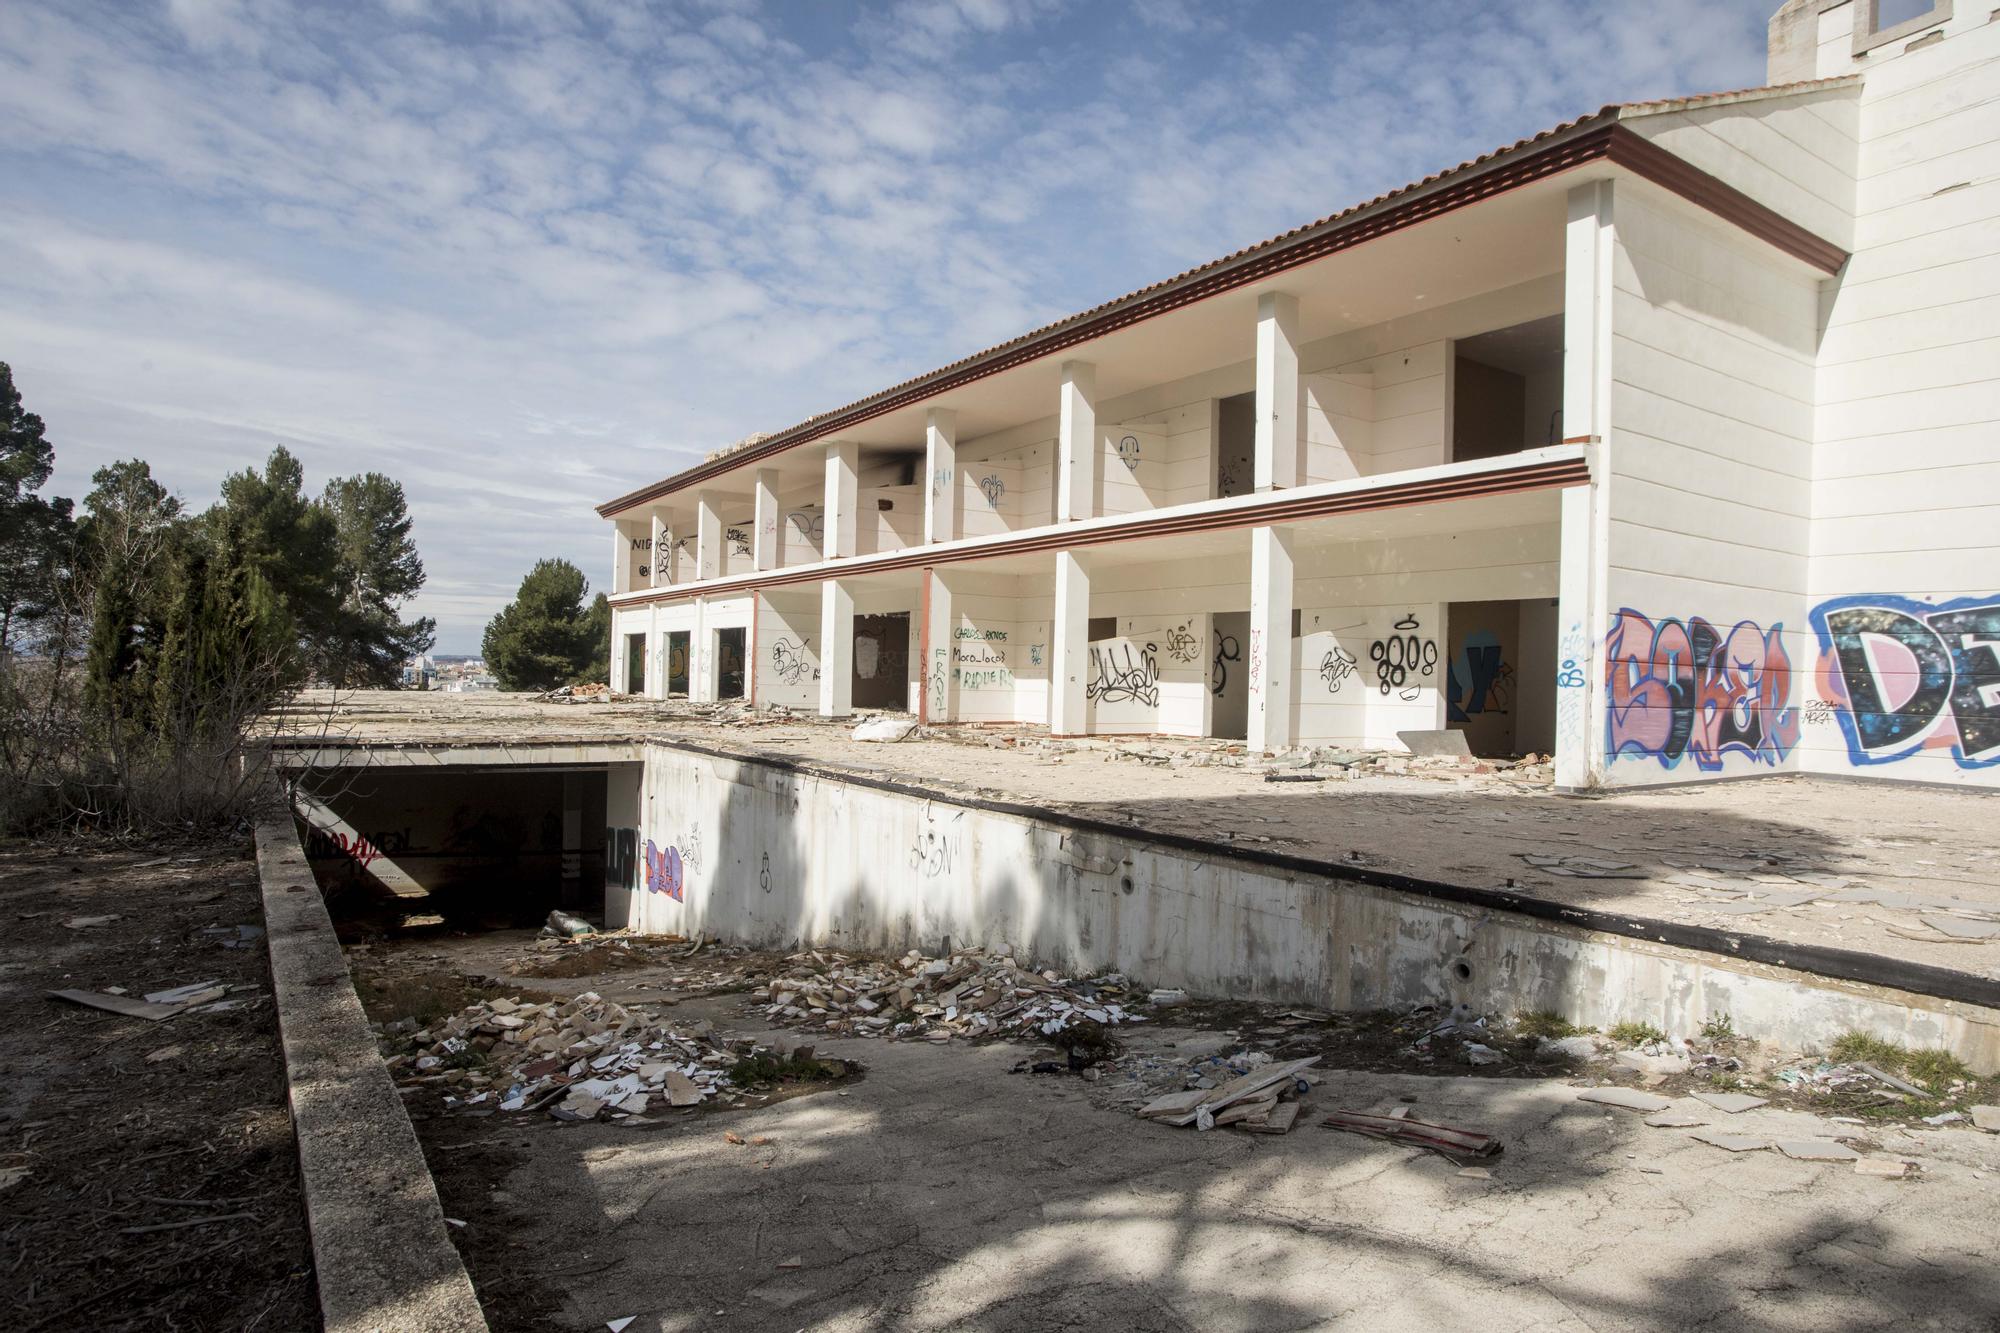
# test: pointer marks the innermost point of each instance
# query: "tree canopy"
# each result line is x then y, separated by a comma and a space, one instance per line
546, 636
33, 531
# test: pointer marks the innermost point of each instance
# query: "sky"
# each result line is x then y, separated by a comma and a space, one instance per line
526, 255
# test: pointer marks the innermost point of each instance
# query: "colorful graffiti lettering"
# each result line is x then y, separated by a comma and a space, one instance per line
663, 871
1913, 676
1686, 690
1478, 679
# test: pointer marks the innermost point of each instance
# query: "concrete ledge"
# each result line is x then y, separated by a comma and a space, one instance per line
380, 1250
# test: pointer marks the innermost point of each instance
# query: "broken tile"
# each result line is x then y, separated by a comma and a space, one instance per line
1629, 1098
1732, 1102
1888, 1168
1675, 1120
1732, 1142
1817, 1150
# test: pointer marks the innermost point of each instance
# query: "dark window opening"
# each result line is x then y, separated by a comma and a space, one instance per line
729, 659
1100, 628
677, 663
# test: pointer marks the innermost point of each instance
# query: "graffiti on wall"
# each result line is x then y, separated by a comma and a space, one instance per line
664, 871
992, 487
1679, 690
1403, 658
325, 845
1122, 672
939, 657
1227, 650
789, 663
1479, 681
811, 524
1907, 676
1182, 644
1335, 666
937, 847
739, 541
1128, 452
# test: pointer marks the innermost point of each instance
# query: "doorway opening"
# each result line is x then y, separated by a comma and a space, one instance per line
1236, 446
1507, 390
882, 662
1229, 676
635, 664
1500, 682
729, 659
677, 663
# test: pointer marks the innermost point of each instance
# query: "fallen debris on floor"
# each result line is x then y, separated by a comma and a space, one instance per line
1629, 1098
1250, 1097
1454, 1145
968, 994
197, 998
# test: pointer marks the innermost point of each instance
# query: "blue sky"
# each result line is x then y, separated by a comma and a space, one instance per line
524, 255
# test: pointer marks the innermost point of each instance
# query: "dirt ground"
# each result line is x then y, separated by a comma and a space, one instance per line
952, 1189
148, 1173
1898, 870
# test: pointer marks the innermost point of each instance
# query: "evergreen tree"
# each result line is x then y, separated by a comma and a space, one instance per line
545, 637
379, 572
598, 624
34, 532
111, 664
292, 545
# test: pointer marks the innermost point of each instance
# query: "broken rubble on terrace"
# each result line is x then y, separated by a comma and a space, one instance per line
968, 994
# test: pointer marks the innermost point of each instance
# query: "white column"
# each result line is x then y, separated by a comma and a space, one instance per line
767, 543
1280, 398
939, 691
701, 657
1077, 448
941, 503
656, 652
707, 536
836, 658
621, 559
1268, 655
1069, 655
1587, 313
842, 462
662, 553
1580, 692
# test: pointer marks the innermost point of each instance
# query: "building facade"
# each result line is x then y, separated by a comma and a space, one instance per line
1667, 442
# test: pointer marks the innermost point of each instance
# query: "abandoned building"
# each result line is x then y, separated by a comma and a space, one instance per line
1663, 440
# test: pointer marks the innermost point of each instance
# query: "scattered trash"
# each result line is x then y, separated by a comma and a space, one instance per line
1251, 1096
1944, 1118
200, 992
1894, 1082
567, 926
1475, 1173
621, 1324
1165, 998
1474, 1053
1452, 1144
968, 994
885, 729
120, 1004
1629, 1098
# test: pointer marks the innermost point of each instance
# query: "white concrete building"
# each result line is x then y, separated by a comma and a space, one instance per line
1667, 440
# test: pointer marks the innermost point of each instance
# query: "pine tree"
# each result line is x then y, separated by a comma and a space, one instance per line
544, 637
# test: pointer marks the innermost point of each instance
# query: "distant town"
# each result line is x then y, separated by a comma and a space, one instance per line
453, 675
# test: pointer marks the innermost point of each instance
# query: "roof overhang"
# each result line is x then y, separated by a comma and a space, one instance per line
1595, 139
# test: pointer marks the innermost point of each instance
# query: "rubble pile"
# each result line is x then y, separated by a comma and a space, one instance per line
579, 1058
968, 994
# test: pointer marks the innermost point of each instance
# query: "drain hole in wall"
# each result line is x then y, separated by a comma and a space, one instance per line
1126, 884
1462, 970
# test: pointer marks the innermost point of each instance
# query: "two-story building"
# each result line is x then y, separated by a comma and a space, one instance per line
1667, 441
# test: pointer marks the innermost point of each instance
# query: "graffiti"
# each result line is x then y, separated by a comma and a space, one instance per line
939, 656
1569, 676
1182, 645
789, 662
1818, 713
1689, 690
1128, 452
764, 872
982, 635
691, 848
811, 525
1335, 667
992, 488
1913, 676
1227, 650
326, 844
1035, 654
980, 666
935, 850
1477, 681
1402, 656
739, 541
642, 543
940, 480
1256, 663
1135, 677
664, 871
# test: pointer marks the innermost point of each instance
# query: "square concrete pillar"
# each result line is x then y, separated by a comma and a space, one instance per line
1077, 445
1280, 397
661, 553
767, 543
1580, 684
941, 499
1587, 279
937, 698
1069, 655
836, 658
842, 463
620, 558
1268, 655
707, 536
701, 657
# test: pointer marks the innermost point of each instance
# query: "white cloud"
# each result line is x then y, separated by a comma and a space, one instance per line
527, 254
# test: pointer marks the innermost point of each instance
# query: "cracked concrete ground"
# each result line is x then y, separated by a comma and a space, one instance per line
942, 1192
